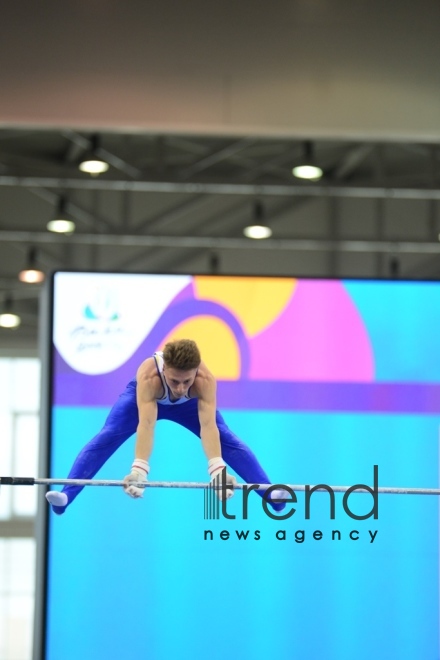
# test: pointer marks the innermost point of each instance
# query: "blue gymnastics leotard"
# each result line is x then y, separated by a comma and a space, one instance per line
122, 423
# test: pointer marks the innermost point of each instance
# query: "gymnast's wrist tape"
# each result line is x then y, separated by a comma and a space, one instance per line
141, 468
215, 466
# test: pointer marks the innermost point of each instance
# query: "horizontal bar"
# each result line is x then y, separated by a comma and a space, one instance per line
30, 481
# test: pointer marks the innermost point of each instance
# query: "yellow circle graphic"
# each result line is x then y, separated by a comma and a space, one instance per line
216, 342
255, 302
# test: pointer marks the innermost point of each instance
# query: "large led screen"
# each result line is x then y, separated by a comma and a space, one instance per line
323, 380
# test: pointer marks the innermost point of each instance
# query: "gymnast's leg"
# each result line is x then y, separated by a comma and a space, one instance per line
244, 462
234, 452
120, 424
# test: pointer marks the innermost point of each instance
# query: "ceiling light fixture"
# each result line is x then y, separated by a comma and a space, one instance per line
308, 169
7, 318
31, 274
93, 166
91, 163
61, 224
258, 230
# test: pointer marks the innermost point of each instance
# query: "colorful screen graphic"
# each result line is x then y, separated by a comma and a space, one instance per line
322, 380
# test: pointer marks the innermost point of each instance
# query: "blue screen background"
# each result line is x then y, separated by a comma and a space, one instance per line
136, 578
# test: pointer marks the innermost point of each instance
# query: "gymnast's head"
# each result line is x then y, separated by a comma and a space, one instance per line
182, 354
181, 361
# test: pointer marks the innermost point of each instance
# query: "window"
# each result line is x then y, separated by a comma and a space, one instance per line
19, 423
17, 577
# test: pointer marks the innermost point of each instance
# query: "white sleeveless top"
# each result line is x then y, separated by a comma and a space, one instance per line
166, 399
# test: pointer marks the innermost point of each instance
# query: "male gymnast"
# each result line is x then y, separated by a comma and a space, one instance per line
176, 385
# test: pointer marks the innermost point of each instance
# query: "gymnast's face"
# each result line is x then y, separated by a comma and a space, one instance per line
179, 381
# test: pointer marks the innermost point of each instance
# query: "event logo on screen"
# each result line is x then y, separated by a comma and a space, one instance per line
103, 306
96, 339
102, 319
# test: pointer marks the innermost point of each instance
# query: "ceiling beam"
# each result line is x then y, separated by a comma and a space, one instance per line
82, 144
216, 157
312, 190
351, 161
218, 243
173, 215
73, 209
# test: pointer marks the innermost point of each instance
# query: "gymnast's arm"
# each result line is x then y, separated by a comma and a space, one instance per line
209, 432
147, 410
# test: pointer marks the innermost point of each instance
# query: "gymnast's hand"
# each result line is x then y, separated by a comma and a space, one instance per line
139, 473
215, 469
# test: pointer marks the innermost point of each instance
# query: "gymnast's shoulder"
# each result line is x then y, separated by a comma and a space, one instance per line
147, 373
205, 382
